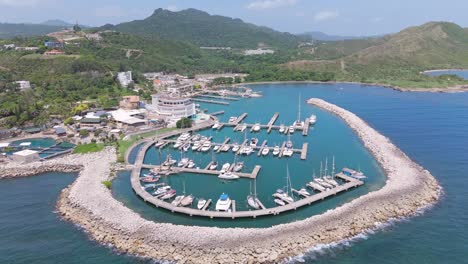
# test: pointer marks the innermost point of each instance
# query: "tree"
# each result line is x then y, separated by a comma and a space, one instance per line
184, 122
84, 133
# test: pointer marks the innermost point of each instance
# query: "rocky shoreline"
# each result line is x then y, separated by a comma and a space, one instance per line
88, 203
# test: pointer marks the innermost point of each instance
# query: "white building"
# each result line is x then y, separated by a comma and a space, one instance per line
258, 52
23, 85
125, 78
26, 48
180, 89
171, 107
128, 118
25, 156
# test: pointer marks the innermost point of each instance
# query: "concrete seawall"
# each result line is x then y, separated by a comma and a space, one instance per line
409, 187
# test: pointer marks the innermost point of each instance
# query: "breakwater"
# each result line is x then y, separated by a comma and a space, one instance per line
409, 187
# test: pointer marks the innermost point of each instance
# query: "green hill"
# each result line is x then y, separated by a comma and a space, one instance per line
203, 29
8, 31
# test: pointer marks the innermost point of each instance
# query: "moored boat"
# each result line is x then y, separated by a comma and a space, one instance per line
201, 203
225, 167
232, 119
276, 151
280, 202
265, 151
235, 147
256, 127
169, 194
253, 142
228, 176
312, 120
223, 203
252, 202
161, 190
191, 164
187, 200
213, 165
282, 128
177, 200
196, 145
238, 167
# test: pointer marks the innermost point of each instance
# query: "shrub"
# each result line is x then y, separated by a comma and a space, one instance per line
108, 184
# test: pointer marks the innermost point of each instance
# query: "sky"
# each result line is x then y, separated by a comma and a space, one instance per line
339, 17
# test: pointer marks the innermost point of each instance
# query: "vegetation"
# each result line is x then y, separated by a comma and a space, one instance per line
184, 122
205, 30
88, 148
108, 184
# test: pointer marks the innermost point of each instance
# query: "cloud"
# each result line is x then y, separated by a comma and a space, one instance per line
110, 11
270, 4
326, 15
21, 3
172, 8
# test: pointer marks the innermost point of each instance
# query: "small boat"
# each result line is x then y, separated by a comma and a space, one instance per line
276, 151
216, 147
312, 120
206, 146
247, 150
298, 123
283, 196
291, 130
225, 148
228, 176
169, 194
196, 145
161, 190
288, 152
353, 173
252, 202
183, 137
150, 179
159, 144
216, 125
213, 166
201, 203
316, 186
256, 127
191, 164
225, 167
331, 181
186, 147
280, 202
196, 138
323, 183
183, 162
282, 128
253, 142
169, 161
178, 144
188, 200
177, 200
265, 151
235, 148
232, 119
289, 144
238, 167
303, 192
223, 203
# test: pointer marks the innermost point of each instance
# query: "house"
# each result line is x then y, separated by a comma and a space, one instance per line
130, 102
9, 46
32, 130
53, 44
23, 85
258, 52
157, 83
128, 118
54, 52
93, 36
125, 78
25, 156
90, 122
60, 131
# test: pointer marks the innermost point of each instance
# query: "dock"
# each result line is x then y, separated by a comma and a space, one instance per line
209, 101
261, 148
217, 113
233, 206
175, 170
208, 203
305, 130
272, 122
223, 144
280, 155
260, 203
242, 145
304, 151
220, 97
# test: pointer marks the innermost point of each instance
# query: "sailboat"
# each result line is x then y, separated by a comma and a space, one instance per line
281, 194
214, 163
252, 199
330, 178
298, 122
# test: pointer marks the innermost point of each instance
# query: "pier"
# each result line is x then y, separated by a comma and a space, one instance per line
261, 148
220, 97
209, 101
272, 122
171, 170
217, 113
305, 131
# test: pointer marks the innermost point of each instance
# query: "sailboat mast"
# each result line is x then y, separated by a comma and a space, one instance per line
320, 175
255, 188
299, 109
326, 166
333, 167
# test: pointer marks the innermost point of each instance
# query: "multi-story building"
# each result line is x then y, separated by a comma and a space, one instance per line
130, 102
125, 78
23, 85
172, 107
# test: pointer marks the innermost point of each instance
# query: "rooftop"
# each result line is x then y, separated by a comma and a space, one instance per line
25, 152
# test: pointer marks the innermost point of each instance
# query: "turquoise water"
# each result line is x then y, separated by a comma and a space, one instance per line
462, 73
431, 128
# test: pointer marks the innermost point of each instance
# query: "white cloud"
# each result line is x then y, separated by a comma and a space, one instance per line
21, 3
326, 15
109, 11
172, 8
270, 4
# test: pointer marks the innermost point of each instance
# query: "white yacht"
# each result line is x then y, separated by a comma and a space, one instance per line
223, 203
187, 200
265, 151
243, 127
206, 146
276, 151
183, 162
196, 138
252, 202
232, 119
247, 150
316, 186
201, 203
225, 148
282, 128
216, 125
184, 137
291, 130
298, 123
256, 127
228, 176
178, 144
323, 183
216, 148
235, 147
288, 152
312, 120
196, 145
168, 195
225, 167
186, 147
213, 166
280, 202
303, 192
238, 167
161, 190
177, 200
191, 164
253, 142
330, 180
283, 196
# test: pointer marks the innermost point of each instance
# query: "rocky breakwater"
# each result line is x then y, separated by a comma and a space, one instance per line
71, 163
409, 187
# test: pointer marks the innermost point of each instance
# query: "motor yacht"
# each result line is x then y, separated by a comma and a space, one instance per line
276, 151
223, 203
228, 176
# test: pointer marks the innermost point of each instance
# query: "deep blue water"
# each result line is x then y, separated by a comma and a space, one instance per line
461, 73
431, 128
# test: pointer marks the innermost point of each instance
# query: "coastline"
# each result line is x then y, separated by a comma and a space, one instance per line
409, 188
452, 89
